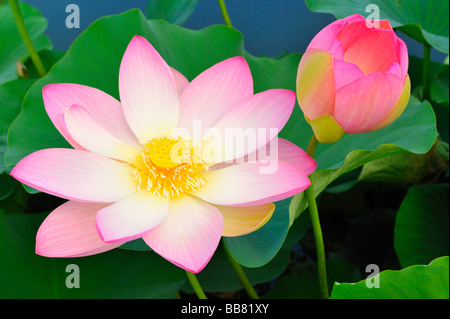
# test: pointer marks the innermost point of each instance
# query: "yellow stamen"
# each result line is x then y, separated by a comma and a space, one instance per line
166, 167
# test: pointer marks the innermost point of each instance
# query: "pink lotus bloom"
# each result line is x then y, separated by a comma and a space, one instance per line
353, 78
121, 180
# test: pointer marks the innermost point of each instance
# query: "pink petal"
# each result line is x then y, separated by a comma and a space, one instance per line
252, 124
403, 58
345, 73
337, 50
280, 150
214, 92
148, 91
76, 175
294, 155
325, 39
374, 51
363, 103
105, 109
396, 70
69, 231
180, 81
352, 32
385, 24
87, 132
249, 184
398, 108
190, 234
315, 83
131, 217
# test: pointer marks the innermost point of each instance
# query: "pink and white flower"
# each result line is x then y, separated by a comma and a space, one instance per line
121, 180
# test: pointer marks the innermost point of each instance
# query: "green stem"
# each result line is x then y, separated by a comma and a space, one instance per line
225, 15
26, 37
426, 71
312, 146
314, 214
239, 271
196, 285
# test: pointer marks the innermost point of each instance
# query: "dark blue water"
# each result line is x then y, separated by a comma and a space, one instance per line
270, 27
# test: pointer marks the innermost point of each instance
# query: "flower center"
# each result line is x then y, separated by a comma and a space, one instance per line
167, 167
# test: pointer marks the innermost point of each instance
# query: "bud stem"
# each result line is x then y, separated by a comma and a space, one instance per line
314, 215
312, 146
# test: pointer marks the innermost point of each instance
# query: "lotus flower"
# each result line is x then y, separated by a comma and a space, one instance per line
132, 175
353, 78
